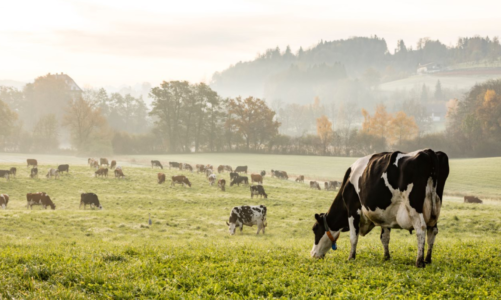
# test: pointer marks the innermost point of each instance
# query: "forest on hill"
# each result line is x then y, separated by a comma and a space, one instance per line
340, 70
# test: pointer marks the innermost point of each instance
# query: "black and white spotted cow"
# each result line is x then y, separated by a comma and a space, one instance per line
390, 190
249, 216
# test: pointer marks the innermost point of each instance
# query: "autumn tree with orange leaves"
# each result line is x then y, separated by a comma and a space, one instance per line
324, 131
393, 128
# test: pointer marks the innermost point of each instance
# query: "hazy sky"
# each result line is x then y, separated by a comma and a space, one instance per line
100, 42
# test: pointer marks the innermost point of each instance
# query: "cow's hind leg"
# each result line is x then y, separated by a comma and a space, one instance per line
420, 227
259, 227
385, 239
431, 234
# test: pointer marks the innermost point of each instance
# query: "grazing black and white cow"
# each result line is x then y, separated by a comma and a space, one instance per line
63, 168
173, 164
34, 172
314, 185
233, 175
258, 190
331, 185
249, 216
212, 179
263, 173
241, 169
240, 180
390, 190
90, 199
156, 163
52, 173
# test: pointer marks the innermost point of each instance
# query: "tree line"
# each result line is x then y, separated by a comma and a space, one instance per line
187, 118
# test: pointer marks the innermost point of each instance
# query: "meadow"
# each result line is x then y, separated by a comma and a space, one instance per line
187, 252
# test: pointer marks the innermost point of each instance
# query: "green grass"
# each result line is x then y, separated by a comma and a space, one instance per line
71, 253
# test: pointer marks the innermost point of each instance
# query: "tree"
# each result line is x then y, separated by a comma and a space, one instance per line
379, 124
8, 118
253, 119
402, 128
324, 132
84, 120
438, 91
45, 134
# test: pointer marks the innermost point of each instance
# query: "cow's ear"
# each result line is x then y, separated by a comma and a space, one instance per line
318, 218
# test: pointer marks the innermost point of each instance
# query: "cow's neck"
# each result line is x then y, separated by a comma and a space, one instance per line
337, 215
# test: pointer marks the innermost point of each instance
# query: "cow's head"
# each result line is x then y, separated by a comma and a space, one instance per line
323, 242
187, 182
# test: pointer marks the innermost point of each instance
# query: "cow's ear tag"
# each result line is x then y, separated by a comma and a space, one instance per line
334, 246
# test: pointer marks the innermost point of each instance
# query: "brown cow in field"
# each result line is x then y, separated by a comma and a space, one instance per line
4, 200
103, 161
300, 178
314, 185
32, 162
188, 167
472, 199
5, 173
220, 169
39, 199
34, 172
161, 178
180, 179
256, 178
95, 165
200, 168
221, 183
119, 173
113, 164
101, 172
13, 171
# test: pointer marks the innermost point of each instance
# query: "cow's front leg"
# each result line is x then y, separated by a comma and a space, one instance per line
354, 222
241, 227
431, 234
385, 239
259, 227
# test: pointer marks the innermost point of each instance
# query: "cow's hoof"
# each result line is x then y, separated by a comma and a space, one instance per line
386, 257
420, 264
427, 260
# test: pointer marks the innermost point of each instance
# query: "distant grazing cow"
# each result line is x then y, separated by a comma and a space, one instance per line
181, 179
39, 199
208, 172
5, 173
119, 173
34, 172
161, 178
32, 162
13, 171
300, 178
221, 183
90, 199
228, 168
210, 167
188, 167
256, 178
173, 164
263, 173
472, 199
103, 172
392, 190
156, 163
95, 164
280, 174
331, 185
258, 190
248, 216
52, 173
200, 168
90, 161
103, 161
233, 175
315, 185
212, 179
63, 168
113, 164
241, 169
4, 200
240, 180
220, 169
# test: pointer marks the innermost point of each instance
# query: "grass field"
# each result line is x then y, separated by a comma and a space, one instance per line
71, 253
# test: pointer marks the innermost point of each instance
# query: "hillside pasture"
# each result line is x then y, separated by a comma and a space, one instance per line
187, 252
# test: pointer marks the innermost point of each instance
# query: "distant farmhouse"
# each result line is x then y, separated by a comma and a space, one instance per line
70, 83
429, 68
